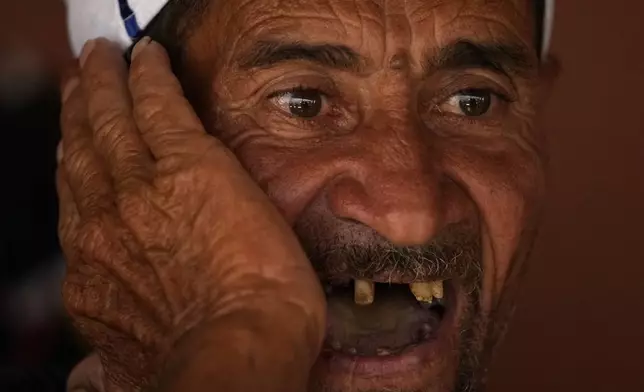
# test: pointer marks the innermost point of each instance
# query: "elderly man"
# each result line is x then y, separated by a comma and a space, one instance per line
382, 152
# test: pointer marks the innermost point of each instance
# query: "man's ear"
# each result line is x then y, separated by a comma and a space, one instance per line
548, 76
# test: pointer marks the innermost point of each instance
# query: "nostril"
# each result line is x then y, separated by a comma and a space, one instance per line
351, 221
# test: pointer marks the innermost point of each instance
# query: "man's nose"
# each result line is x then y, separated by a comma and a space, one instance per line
391, 185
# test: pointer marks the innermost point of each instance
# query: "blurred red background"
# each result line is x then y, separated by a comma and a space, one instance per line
580, 321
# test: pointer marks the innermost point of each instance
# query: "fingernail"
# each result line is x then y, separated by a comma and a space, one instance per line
87, 49
142, 44
59, 152
69, 88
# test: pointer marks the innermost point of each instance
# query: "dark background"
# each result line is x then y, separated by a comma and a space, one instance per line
580, 321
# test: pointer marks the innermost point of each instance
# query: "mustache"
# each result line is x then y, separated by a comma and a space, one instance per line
455, 253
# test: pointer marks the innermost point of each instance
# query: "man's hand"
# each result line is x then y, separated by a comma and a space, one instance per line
171, 247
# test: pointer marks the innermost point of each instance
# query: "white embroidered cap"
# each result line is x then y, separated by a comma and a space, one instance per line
548, 27
120, 21
123, 21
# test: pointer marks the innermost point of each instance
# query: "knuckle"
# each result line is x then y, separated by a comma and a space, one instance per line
198, 157
108, 121
151, 108
138, 70
76, 156
74, 296
144, 218
92, 242
77, 163
66, 226
131, 203
93, 201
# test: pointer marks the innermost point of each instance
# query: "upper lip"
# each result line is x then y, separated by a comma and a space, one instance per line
398, 277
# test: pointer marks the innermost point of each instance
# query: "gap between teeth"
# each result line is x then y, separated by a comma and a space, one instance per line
424, 292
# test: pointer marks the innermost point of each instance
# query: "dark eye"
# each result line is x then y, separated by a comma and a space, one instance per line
305, 103
470, 103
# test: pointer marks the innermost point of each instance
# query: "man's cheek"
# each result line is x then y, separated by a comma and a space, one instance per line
291, 176
505, 184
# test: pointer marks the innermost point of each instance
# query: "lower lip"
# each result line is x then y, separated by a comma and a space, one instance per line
385, 366
411, 370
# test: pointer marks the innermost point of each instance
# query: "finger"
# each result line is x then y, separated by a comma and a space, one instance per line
109, 104
164, 116
88, 182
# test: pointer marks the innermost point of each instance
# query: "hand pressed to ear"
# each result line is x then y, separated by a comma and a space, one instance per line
168, 240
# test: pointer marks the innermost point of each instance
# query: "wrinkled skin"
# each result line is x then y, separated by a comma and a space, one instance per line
389, 157
169, 243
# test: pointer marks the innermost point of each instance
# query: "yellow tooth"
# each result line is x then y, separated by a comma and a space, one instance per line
437, 289
363, 292
423, 291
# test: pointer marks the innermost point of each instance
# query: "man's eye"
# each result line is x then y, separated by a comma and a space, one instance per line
470, 103
304, 103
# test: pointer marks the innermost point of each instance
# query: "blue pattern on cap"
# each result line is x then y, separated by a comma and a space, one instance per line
129, 19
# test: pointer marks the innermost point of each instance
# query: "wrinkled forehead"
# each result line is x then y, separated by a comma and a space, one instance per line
378, 26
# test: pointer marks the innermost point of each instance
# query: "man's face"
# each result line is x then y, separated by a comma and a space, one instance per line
397, 138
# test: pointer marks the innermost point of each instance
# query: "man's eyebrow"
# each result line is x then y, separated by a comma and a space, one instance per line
507, 59
265, 53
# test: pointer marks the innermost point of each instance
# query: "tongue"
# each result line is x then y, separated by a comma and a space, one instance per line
393, 322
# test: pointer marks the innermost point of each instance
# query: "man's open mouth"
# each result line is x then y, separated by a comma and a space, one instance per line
373, 319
